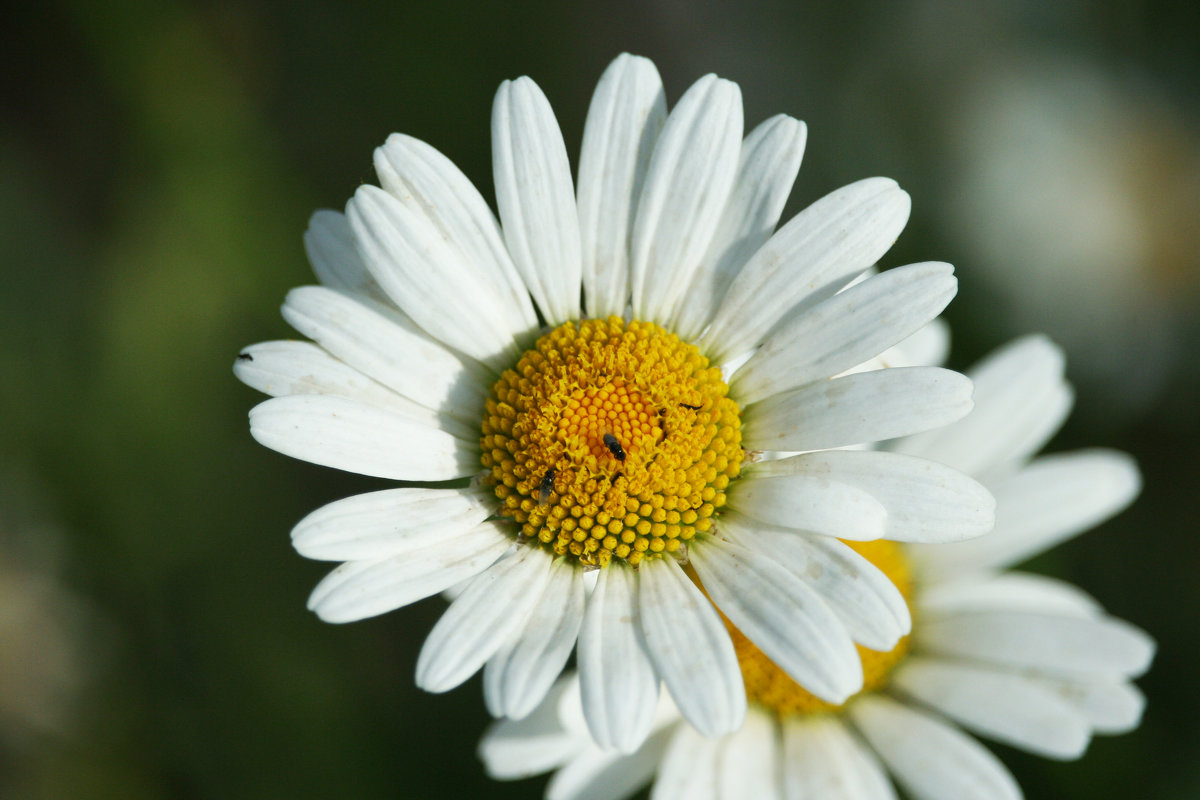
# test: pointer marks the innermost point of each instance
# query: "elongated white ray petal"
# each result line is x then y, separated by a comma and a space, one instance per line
419, 176
1000, 705
351, 436
623, 123
386, 346
822, 759
809, 503
931, 759
690, 648
1021, 399
782, 616
839, 235
770, 159
863, 407
1109, 706
517, 678
1049, 501
617, 681
389, 522
1057, 645
361, 589
495, 606
925, 501
429, 279
536, 198
865, 600
845, 329
687, 185
329, 244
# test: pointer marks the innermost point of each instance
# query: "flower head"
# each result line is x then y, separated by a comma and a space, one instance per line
594, 378
1015, 657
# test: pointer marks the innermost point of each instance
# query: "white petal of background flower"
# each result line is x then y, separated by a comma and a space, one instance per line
687, 184
783, 616
689, 767
845, 329
618, 682
840, 235
623, 123
822, 759
690, 648
770, 158
536, 198
931, 759
748, 760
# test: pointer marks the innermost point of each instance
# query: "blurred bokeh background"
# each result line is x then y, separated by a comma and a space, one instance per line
158, 164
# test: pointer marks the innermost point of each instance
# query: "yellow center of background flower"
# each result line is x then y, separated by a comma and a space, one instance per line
768, 685
611, 439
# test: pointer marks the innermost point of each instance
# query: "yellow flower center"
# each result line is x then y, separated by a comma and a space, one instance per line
611, 439
770, 687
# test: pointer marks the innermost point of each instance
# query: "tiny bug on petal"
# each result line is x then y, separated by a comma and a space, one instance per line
546, 486
614, 447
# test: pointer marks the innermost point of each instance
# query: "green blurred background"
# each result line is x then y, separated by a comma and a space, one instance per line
158, 164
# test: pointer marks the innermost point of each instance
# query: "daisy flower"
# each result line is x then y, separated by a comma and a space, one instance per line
1019, 658
558, 374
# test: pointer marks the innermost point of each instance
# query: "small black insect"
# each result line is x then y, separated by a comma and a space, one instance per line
614, 447
245, 357
546, 487
693, 408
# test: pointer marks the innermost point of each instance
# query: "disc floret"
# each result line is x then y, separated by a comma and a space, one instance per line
611, 439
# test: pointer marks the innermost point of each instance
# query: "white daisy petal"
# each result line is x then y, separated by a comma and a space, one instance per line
495, 606
749, 760
1000, 705
513, 749
928, 347
1021, 399
387, 346
839, 235
1058, 645
617, 681
623, 123
536, 198
517, 678
1009, 591
687, 184
1049, 501
822, 759
1108, 706
810, 503
419, 176
427, 278
689, 767
690, 648
389, 522
360, 589
606, 775
782, 616
329, 244
770, 159
866, 601
930, 759
925, 502
864, 407
349, 435
846, 329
